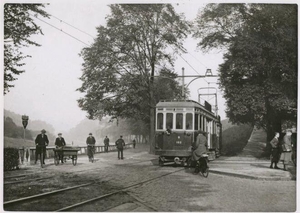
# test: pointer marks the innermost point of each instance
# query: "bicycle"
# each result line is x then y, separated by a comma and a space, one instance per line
202, 166
91, 152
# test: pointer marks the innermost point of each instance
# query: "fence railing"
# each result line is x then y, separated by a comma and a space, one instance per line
28, 154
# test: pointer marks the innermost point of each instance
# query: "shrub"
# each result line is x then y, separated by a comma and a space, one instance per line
11, 159
235, 138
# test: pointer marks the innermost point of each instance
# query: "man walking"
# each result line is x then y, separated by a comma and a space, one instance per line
120, 145
90, 142
106, 143
134, 143
60, 143
41, 142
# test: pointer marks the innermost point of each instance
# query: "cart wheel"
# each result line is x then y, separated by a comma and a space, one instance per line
74, 160
56, 161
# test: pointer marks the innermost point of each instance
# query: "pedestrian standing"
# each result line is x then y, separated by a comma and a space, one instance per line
90, 142
120, 145
134, 143
41, 142
106, 143
275, 154
60, 143
286, 155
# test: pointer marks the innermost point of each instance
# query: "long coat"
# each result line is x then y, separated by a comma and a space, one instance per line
120, 143
60, 142
41, 140
199, 147
275, 150
286, 154
91, 140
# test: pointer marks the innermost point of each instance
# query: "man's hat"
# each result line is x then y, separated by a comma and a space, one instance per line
90, 134
43, 131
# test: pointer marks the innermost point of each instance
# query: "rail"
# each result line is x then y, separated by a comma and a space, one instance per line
29, 152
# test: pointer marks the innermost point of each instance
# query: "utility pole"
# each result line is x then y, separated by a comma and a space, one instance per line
183, 94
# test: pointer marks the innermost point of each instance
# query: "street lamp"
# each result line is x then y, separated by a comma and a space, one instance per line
25, 119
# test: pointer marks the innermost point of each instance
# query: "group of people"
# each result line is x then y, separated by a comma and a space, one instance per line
120, 143
42, 141
282, 150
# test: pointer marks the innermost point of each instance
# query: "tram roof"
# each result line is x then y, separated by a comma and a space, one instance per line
178, 103
181, 103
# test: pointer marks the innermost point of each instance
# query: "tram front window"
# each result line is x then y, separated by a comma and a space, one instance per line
160, 120
169, 122
189, 121
179, 121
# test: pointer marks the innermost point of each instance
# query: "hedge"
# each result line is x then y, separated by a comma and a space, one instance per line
11, 159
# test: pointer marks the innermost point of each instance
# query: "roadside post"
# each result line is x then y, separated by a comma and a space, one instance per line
25, 119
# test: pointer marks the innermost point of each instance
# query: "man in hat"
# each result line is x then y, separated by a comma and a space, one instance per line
41, 142
106, 143
90, 142
120, 145
60, 143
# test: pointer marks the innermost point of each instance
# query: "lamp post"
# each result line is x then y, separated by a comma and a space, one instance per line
25, 119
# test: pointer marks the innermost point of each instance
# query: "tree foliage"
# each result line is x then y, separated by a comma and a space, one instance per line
259, 73
19, 25
138, 42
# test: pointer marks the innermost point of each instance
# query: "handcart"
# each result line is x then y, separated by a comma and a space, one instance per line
68, 153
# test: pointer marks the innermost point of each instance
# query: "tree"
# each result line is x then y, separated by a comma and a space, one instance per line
119, 67
18, 27
259, 73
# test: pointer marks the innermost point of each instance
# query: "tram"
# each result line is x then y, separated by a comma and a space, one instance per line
177, 125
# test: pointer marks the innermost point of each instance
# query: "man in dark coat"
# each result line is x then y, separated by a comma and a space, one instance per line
90, 142
106, 143
41, 142
134, 143
120, 145
275, 152
60, 143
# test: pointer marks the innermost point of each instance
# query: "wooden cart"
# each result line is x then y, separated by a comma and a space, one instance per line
68, 152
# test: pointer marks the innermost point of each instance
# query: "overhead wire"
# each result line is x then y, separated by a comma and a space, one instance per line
71, 26
61, 30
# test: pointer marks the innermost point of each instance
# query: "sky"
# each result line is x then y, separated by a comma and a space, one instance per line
47, 89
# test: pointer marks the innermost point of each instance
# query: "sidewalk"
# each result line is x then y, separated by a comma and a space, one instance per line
248, 165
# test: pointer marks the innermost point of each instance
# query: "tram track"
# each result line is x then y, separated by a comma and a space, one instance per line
27, 180
8, 205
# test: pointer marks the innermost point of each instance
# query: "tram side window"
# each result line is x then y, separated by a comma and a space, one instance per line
196, 122
160, 120
189, 121
179, 121
169, 122
201, 122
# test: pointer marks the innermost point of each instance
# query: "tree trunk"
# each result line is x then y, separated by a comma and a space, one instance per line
152, 126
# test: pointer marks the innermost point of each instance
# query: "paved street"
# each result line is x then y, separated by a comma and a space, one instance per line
179, 191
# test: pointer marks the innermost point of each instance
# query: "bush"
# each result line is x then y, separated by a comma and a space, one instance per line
11, 159
235, 138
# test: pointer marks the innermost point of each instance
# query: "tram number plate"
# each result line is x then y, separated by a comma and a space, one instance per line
179, 142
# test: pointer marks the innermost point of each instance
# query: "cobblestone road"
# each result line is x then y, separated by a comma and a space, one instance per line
179, 191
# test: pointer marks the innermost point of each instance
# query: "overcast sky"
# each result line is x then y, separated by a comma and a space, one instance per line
47, 90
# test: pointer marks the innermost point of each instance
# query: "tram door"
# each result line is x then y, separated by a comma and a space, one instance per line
209, 133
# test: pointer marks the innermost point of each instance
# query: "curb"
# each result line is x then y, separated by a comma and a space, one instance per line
251, 177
